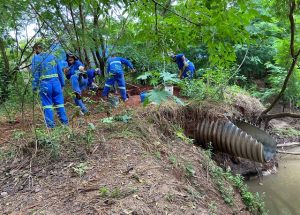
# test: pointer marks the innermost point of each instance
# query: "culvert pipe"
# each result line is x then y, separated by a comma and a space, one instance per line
240, 139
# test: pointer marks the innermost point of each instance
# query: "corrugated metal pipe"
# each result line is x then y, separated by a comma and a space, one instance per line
240, 139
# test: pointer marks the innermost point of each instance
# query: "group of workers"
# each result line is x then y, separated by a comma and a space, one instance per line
49, 80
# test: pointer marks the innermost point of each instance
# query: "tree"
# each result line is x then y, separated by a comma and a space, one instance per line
294, 54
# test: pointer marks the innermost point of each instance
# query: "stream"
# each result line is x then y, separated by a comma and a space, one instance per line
281, 191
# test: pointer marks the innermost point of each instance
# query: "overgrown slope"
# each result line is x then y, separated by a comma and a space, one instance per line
128, 164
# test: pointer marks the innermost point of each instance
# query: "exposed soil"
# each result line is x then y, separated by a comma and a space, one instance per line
129, 170
132, 168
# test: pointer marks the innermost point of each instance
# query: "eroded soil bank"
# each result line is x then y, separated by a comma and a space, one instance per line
131, 163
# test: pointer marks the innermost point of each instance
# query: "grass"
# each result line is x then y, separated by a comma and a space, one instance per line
212, 208
287, 132
7, 154
157, 154
80, 169
225, 181
116, 192
173, 160
189, 170
104, 191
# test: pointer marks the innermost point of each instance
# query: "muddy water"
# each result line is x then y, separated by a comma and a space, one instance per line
282, 190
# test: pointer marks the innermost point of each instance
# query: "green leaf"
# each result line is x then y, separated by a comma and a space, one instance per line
91, 126
124, 118
107, 120
169, 78
157, 96
145, 76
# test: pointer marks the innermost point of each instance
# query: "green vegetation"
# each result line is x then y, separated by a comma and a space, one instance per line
287, 132
104, 192
116, 192
80, 169
246, 46
221, 179
189, 170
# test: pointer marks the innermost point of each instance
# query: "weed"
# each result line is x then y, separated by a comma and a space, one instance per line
123, 118
90, 134
189, 170
157, 154
253, 202
52, 140
221, 179
80, 169
181, 135
126, 133
212, 208
18, 135
108, 120
100, 108
116, 193
170, 197
194, 194
287, 132
173, 160
7, 154
39, 213
104, 192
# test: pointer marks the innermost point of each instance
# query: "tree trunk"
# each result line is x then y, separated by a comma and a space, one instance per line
5, 75
294, 56
76, 33
95, 58
97, 41
82, 20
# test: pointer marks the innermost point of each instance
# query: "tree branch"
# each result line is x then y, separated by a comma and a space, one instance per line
82, 20
65, 47
75, 29
294, 60
182, 17
292, 24
281, 115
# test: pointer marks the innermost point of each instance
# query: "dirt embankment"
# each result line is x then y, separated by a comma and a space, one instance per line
111, 167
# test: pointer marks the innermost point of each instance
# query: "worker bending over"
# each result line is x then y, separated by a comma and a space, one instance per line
79, 83
116, 74
48, 78
91, 74
186, 67
73, 64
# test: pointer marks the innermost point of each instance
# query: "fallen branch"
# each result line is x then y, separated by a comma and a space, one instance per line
281, 115
288, 144
288, 153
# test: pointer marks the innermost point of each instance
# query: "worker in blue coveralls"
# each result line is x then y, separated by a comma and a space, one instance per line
73, 64
92, 73
79, 83
116, 74
186, 67
48, 78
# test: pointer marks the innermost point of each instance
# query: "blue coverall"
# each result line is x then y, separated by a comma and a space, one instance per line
189, 70
91, 73
116, 73
79, 83
73, 67
48, 77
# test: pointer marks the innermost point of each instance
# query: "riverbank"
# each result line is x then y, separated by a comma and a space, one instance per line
128, 163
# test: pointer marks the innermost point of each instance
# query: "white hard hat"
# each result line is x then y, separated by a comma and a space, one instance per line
81, 68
